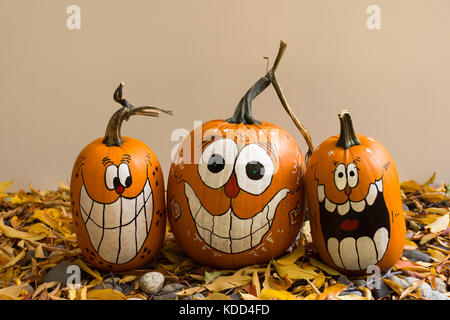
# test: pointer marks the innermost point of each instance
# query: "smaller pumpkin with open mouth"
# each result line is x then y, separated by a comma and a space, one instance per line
117, 191
354, 200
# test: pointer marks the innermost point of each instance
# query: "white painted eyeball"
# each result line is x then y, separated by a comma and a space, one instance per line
111, 179
216, 163
254, 169
340, 177
124, 175
352, 175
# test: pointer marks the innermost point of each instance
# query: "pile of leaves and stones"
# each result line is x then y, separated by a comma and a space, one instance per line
40, 260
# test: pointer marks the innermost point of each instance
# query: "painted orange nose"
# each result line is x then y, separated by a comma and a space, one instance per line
231, 188
348, 190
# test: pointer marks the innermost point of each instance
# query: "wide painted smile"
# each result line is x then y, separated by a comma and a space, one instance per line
356, 233
227, 232
118, 230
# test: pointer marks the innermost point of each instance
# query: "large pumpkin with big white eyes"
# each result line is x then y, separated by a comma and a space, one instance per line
117, 191
235, 191
354, 202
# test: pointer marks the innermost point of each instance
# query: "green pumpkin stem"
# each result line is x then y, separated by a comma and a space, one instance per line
112, 134
243, 112
347, 137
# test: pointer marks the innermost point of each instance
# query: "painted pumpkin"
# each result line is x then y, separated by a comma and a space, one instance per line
355, 204
235, 192
118, 199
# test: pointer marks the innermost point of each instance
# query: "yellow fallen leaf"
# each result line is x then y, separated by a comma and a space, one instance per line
217, 296
436, 255
410, 186
256, 284
332, 291
411, 245
63, 186
72, 293
312, 296
190, 291
13, 233
82, 293
393, 285
12, 292
293, 271
440, 211
16, 259
431, 179
5, 185
248, 296
272, 294
271, 282
324, 267
227, 282
88, 270
105, 294
39, 252
292, 257
128, 278
439, 224
434, 196
411, 288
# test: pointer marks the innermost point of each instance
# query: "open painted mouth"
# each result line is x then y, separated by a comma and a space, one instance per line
118, 230
227, 232
356, 233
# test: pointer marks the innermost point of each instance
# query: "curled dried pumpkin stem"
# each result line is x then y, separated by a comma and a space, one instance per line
112, 134
305, 133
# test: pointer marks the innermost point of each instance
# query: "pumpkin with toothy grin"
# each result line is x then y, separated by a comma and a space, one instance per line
355, 205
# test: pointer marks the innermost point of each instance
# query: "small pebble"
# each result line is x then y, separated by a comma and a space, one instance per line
440, 285
172, 287
346, 293
426, 291
107, 285
382, 290
415, 255
151, 282
344, 280
360, 282
59, 273
111, 280
401, 282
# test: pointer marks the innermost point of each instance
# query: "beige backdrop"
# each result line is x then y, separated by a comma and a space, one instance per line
198, 58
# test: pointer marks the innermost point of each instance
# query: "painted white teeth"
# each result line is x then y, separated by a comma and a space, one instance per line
348, 253
372, 194
381, 240
358, 254
118, 230
366, 252
358, 206
227, 232
343, 208
321, 192
330, 206
333, 249
379, 184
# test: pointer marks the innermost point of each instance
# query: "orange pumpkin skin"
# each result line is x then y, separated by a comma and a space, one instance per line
355, 206
140, 238
232, 205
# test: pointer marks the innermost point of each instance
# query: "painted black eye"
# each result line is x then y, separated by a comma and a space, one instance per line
128, 182
255, 170
116, 182
124, 175
340, 174
216, 163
